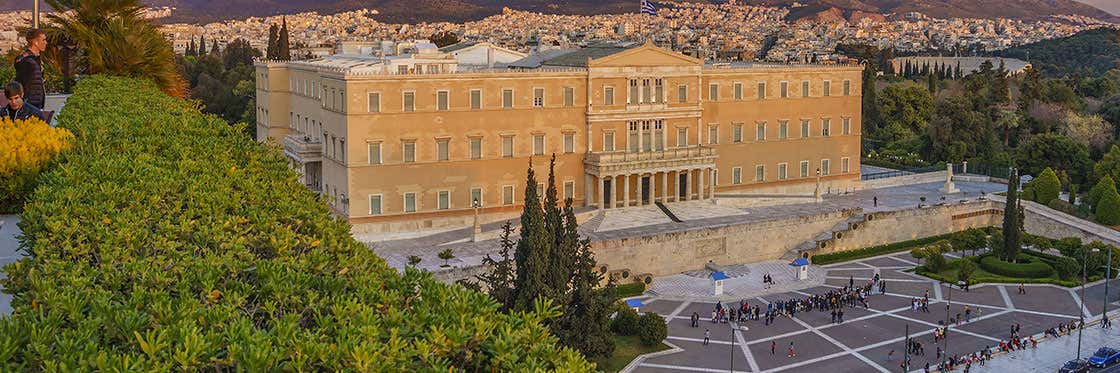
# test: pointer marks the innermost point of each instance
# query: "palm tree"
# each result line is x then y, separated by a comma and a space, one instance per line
113, 37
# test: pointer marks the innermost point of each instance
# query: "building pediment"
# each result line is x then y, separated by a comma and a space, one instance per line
645, 55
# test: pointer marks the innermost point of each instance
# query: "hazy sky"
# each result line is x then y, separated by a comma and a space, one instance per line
1111, 6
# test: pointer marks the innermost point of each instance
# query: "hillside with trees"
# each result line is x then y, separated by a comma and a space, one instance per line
1090, 52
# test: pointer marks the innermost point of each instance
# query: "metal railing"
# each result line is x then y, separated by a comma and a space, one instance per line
897, 173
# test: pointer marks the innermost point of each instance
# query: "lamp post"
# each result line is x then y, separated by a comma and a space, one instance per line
948, 305
1081, 313
1107, 277
817, 191
477, 228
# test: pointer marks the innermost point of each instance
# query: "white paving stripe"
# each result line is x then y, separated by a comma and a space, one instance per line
841, 345
869, 279
699, 340
1077, 299
903, 260
684, 368
1006, 298
747, 351
957, 328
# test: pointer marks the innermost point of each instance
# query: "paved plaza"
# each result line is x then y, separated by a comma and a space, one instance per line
8, 244
864, 340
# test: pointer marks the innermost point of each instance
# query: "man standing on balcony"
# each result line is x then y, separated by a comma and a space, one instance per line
29, 68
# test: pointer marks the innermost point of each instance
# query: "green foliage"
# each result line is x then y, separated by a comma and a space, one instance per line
446, 255
1105, 183
225, 84
652, 329
1108, 207
935, 262
1109, 165
1093, 51
965, 270
1046, 186
1012, 222
1067, 268
904, 112
632, 289
969, 240
867, 252
625, 320
165, 240
1032, 267
283, 44
1055, 151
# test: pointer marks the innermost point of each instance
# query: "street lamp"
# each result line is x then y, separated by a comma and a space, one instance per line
1081, 313
35, 14
475, 204
1107, 277
817, 191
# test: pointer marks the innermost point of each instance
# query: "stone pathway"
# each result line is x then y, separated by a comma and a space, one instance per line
697, 285
8, 254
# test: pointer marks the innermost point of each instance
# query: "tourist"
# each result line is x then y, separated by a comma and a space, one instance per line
17, 109
875, 201
695, 319
889, 355
1022, 288
773, 346
707, 336
967, 314
792, 353
29, 68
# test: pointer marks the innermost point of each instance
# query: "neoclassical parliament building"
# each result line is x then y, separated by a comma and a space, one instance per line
408, 137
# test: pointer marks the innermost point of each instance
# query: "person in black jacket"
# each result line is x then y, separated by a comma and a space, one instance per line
29, 68
16, 108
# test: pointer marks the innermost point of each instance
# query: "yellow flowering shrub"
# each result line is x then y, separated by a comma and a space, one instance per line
26, 146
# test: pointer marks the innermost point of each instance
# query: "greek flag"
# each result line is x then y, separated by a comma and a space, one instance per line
648, 8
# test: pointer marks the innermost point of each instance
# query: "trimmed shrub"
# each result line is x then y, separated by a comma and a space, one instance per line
28, 147
625, 321
935, 262
1067, 268
629, 290
1063, 206
167, 240
1097, 190
867, 252
652, 329
1033, 268
1046, 187
1108, 207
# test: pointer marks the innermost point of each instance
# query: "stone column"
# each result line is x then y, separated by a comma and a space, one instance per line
652, 188
641, 135
964, 167
711, 183
949, 187
602, 193
587, 199
676, 182
688, 185
626, 189
664, 187
700, 184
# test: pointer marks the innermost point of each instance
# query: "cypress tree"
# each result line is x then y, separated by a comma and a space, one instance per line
500, 278
282, 46
533, 249
585, 323
957, 71
906, 72
270, 51
563, 247
202, 45
870, 109
931, 82
215, 48
192, 50
1012, 221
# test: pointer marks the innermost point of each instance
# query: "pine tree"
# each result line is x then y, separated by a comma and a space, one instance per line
270, 51
563, 249
533, 249
282, 46
1012, 220
499, 279
202, 45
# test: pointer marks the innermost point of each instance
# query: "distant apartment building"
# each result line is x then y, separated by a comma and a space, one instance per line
417, 140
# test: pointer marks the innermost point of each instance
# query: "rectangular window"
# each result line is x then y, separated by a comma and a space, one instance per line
538, 144
633, 92
682, 137
827, 88
507, 146
569, 143
843, 165
409, 152
507, 194
804, 88
375, 204
442, 151
826, 127
713, 92
444, 200
608, 141
738, 91
783, 130
784, 89
476, 148
374, 102
374, 151
647, 91
507, 98
409, 102
760, 173
659, 93
569, 190
402, 69
538, 97
737, 133
847, 87
804, 168
476, 99
342, 146
760, 132
761, 90
737, 175
410, 202
825, 167
782, 173
441, 101
682, 93
713, 134
569, 96
804, 128
608, 96
476, 196
847, 123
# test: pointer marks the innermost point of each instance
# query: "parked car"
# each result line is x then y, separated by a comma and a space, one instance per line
1104, 357
1075, 366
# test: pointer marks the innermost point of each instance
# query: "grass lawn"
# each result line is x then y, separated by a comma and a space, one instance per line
981, 276
626, 349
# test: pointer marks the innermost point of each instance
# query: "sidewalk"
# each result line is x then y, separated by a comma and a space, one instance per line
8, 244
1053, 353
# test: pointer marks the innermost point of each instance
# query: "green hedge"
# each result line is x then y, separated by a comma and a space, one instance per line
629, 290
1034, 268
867, 252
166, 240
1003, 280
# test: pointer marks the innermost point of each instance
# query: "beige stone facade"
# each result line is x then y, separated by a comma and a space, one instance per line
404, 151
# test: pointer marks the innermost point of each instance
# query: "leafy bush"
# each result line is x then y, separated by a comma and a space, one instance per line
167, 240
1063, 206
1046, 187
1067, 268
652, 329
629, 290
1108, 207
935, 262
965, 269
1032, 268
867, 252
1097, 190
625, 321
28, 146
